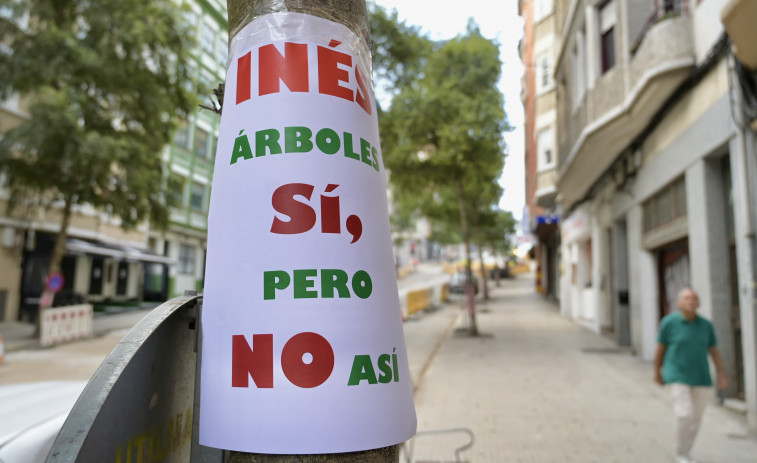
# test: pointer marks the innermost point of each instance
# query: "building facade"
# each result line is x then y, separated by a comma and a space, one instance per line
103, 263
537, 52
190, 157
656, 174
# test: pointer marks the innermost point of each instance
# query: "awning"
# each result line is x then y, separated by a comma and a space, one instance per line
118, 252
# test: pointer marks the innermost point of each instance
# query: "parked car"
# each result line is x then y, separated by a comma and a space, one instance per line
31, 414
504, 272
457, 283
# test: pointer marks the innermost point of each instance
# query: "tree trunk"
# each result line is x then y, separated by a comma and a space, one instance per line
59, 250
353, 14
469, 290
497, 276
382, 455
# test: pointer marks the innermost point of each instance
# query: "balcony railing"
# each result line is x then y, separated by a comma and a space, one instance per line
663, 10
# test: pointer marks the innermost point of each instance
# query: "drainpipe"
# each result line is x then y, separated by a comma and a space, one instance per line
746, 170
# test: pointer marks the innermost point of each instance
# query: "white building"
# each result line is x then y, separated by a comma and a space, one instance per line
656, 174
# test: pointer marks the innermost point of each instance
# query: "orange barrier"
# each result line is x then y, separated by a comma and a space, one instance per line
444, 292
520, 268
449, 268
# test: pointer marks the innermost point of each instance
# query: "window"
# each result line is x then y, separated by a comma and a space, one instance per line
542, 9
189, 84
206, 83
223, 50
588, 267
190, 18
579, 69
208, 38
201, 142
607, 34
213, 146
666, 205
545, 147
176, 191
545, 72
181, 137
197, 198
186, 259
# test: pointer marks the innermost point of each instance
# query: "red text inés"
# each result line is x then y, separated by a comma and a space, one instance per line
337, 74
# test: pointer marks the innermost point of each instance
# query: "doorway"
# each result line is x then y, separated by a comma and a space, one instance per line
673, 273
620, 299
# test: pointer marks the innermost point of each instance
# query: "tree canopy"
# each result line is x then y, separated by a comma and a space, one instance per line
107, 82
442, 136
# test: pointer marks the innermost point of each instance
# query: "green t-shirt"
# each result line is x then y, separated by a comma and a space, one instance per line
687, 344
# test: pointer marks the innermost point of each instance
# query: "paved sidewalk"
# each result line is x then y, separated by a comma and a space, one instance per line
531, 391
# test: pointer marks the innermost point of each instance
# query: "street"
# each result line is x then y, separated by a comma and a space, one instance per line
533, 387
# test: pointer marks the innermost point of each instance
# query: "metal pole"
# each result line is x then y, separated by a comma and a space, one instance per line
353, 14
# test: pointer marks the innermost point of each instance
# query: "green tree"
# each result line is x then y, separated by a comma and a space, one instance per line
399, 50
107, 81
496, 226
444, 130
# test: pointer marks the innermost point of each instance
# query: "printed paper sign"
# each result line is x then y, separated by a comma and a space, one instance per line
303, 347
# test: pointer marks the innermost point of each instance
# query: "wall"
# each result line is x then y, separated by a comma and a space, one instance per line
10, 276
707, 24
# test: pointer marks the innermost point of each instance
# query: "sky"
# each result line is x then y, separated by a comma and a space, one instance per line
499, 20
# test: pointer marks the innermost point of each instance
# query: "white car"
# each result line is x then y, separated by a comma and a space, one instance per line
31, 414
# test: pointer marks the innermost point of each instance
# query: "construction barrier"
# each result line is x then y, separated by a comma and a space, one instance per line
444, 292
63, 324
421, 299
417, 300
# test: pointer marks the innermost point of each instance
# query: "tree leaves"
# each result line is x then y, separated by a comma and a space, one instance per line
105, 80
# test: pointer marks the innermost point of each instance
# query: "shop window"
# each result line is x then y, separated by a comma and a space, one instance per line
187, 259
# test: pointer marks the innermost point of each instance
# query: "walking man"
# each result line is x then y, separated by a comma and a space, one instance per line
684, 340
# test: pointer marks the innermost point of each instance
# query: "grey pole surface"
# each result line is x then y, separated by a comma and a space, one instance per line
353, 14
138, 405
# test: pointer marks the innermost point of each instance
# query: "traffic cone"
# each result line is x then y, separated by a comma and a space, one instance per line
2, 349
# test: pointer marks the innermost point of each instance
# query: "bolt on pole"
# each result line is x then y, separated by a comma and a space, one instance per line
352, 14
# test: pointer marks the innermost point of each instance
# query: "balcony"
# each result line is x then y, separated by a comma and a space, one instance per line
663, 58
546, 188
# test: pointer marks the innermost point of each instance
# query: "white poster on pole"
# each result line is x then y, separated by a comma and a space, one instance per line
303, 348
